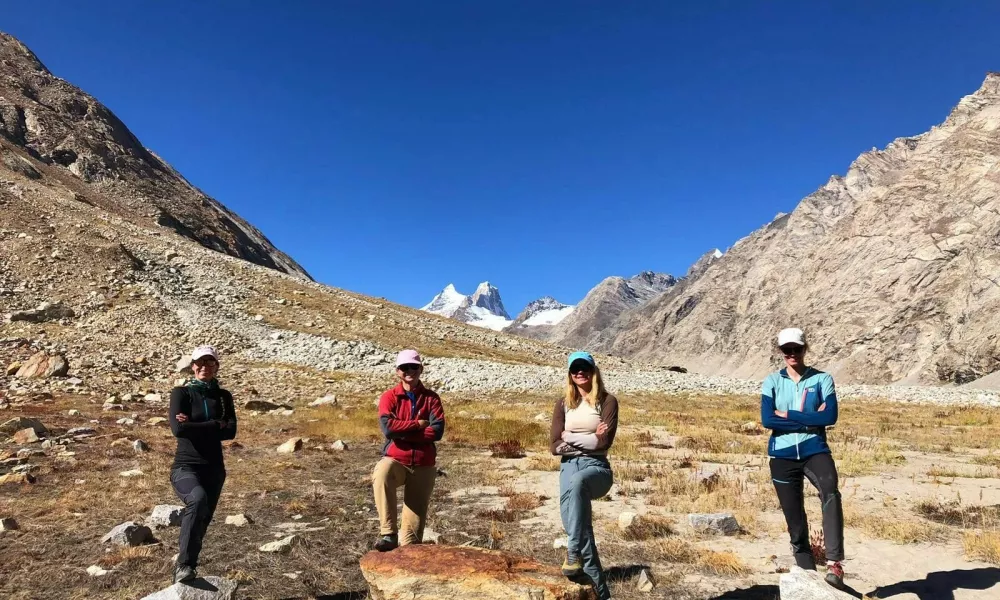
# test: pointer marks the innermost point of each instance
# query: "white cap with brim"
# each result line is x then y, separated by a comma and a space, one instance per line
792, 335
203, 351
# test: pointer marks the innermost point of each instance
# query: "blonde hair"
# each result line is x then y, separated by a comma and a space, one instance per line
594, 398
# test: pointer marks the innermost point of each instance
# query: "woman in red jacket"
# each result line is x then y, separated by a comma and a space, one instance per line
412, 419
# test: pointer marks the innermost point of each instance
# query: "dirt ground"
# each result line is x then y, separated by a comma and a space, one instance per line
921, 492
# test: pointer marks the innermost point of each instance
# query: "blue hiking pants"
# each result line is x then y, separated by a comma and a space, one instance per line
581, 480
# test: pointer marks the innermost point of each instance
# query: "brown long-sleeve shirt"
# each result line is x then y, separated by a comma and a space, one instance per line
609, 416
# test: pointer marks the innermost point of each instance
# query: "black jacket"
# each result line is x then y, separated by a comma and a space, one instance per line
211, 419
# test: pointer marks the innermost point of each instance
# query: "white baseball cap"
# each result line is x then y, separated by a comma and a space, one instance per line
202, 351
408, 357
792, 335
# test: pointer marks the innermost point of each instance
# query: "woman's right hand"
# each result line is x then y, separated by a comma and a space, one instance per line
182, 418
602, 428
424, 423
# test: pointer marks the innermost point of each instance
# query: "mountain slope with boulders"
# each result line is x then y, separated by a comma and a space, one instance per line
891, 270
51, 131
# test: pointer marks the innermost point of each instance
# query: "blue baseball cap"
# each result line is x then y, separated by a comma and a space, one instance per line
580, 355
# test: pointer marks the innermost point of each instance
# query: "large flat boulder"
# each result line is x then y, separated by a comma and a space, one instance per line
799, 584
42, 365
431, 572
203, 588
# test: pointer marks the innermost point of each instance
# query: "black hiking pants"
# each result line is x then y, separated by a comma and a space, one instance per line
199, 488
788, 476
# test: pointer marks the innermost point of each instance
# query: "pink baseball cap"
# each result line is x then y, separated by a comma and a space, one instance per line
202, 351
408, 357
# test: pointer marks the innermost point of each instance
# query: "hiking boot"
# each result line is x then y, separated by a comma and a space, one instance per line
184, 573
571, 567
387, 543
835, 574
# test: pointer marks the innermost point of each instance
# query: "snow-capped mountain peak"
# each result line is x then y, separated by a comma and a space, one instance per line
488, 296
544, 311
446, 303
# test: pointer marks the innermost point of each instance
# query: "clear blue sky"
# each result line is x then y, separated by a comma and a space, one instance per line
394, 147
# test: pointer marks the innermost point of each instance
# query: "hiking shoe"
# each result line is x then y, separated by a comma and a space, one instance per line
571, 567
387, 543
184, 573
835, 574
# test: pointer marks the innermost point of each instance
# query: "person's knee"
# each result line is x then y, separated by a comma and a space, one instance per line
197, 499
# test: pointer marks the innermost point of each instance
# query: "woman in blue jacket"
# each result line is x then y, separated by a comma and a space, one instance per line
797, 404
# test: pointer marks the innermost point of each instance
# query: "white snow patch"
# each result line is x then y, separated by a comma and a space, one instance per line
446, 303
481, 317
551, 316
717, 253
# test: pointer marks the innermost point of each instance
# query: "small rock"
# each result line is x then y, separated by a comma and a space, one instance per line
129, 533
110, 406
430, 536
262, 405
132, 473
560, 542
125, 421
645, 582
152, 398
165, 515
42, 365
184, 365
339, 445
81, 431
292, 445
541, 417
25, 436
16, 479
74, 413
240, 520
156, 421
140, 446
96, 571
8, 524
281, 546
18, 423
717, 523
329, 399
626, 520
13, 368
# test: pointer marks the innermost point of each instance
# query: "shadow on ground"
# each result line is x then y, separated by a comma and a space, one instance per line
941, 585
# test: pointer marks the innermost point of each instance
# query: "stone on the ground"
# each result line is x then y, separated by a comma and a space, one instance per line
184, 365
542, 417
8, 524
430, 536
292, 445
645, 582
42, 365
152, 398
129, 533
96, 571
240, 520
560, 542
140, 446
165, 515
46, 311
799, 584
110, 406
717, 523
626, 520
752, 427
339, 445
125, 421
16, 479
73, 412
431, 572
281, 546
203, 588
156, 420
132, 473
18, 423
262, 405
25, 436
81, 431
329, 399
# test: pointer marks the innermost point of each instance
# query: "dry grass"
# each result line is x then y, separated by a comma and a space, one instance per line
676, 550
507, 449
955, 514
123, 556
648, 527
543, 462
524, 502
982, 545
889, 526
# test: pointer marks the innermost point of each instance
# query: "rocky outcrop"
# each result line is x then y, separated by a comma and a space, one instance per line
890, 269
432, 572
799, 584
203, 588
44, 312
545, 313
52, 132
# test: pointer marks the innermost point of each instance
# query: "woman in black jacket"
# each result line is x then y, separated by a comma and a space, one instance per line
201, 416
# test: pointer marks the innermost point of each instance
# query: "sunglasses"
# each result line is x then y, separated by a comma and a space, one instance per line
408, 368
206, 362
792, 350
587, 369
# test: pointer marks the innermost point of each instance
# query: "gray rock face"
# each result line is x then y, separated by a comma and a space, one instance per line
887, 269
203, 588
604, 304
718, 523
165, 515
129, 533
488, 296
799, 584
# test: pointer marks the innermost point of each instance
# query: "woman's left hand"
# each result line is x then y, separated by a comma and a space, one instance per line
563, 436
602, 428
781, 413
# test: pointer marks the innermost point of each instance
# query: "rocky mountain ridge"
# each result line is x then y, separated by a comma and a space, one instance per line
889, 269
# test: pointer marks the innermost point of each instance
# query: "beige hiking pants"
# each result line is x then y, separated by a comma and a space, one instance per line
418, 484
